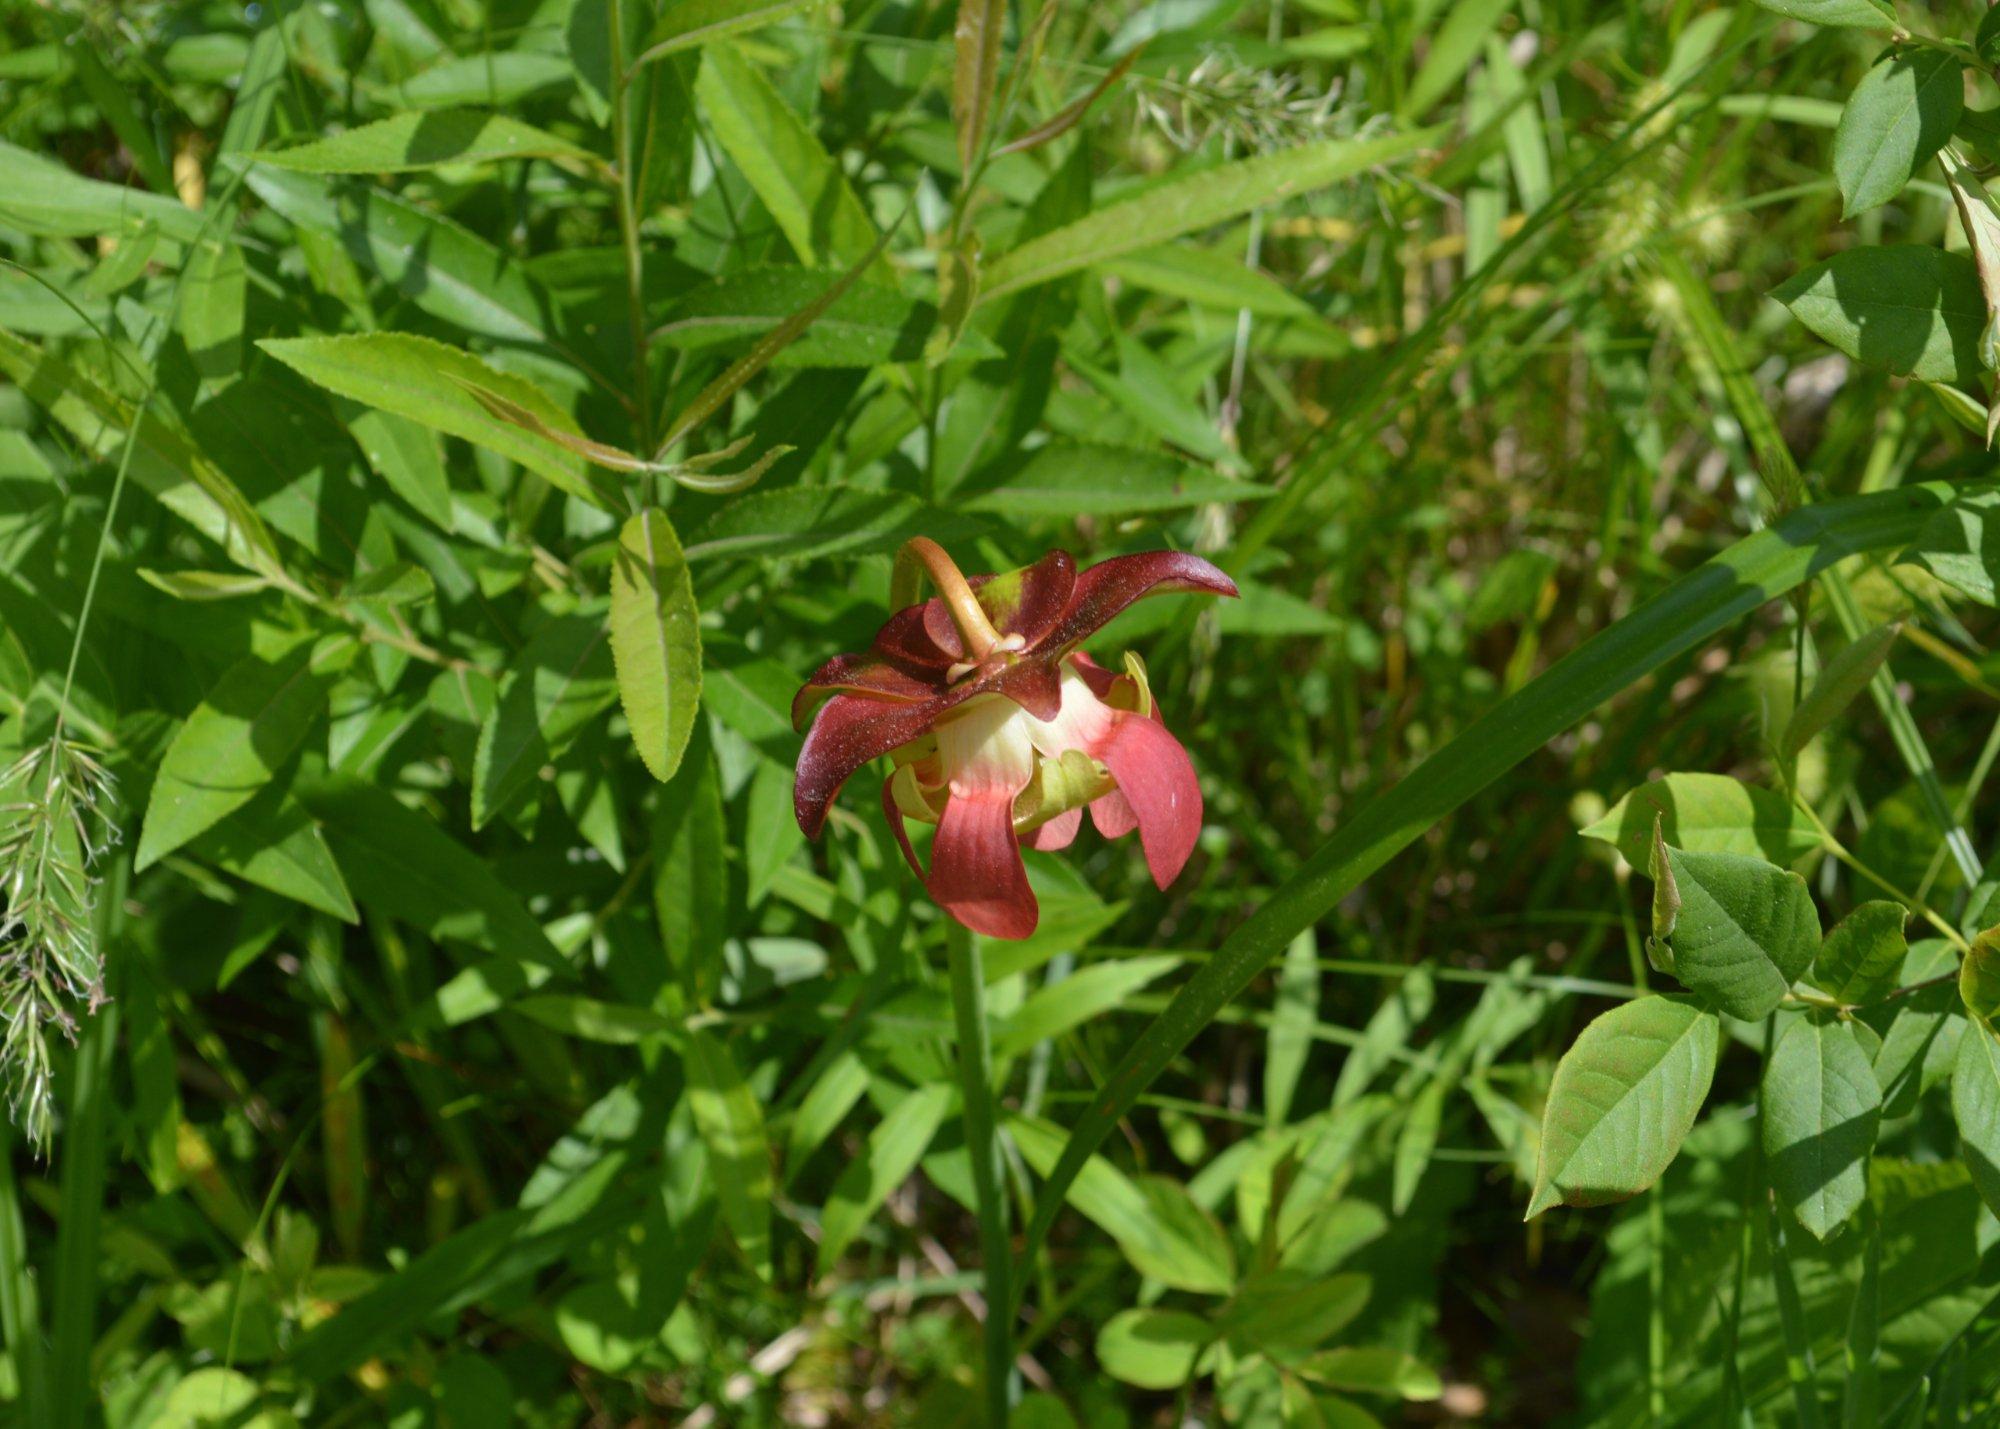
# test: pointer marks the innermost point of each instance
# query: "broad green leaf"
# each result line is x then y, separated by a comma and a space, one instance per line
561, 680
1088, 993
1920, 1046
1214, 280
1451, 52
404, 453
40, 196
1979, 976
869, 324
1897, 118
1747, 930
236, 739
210, 316
443, 267
732, 1126
164, 462
804, 521
491, 79
1373, 1369
274, 844
1842, 678
1624, 1097
613, 1023
693, 23
600, 1327
1861, 959
1157, 1225
690, 898
425, 381
427, 140
1821, 1108
1856, 14
1953, 546
894, 1147
1975, 1103
783, 161
1286, 1315
1707, 813
1184, 204
655, 640
1911, 308
1153, 1349
401, 864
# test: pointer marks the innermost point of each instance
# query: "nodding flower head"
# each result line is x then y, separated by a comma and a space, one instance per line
1002, 731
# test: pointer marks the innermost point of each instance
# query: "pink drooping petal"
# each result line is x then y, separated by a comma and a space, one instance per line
976, 870
1157, 779
1112, 813
1109, 586
894, 812
1057, 833
849, 731
865, 675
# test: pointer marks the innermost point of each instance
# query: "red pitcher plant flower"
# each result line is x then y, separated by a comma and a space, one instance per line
1002, 730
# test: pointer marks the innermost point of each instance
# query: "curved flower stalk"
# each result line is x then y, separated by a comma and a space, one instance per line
1002, 730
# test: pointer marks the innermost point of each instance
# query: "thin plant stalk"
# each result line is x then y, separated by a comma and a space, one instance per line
975, 1073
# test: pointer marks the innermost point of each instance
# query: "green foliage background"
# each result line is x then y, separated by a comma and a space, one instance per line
437, 437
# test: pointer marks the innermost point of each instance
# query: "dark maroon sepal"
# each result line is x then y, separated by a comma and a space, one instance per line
1108, 587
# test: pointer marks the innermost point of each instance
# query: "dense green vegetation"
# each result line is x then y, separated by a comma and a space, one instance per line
439, 984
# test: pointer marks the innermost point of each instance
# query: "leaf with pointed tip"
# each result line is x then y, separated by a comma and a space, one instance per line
1860, 959
1910, 307
655, 640
1822, 1105
1745, 932
561, 680
1707, 813
1624, 1097
1975, 1103
1897, 118
429, 139
732, 1124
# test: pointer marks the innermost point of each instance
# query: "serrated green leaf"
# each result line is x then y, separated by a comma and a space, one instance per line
1822, 1105
427, 382
1624, 1097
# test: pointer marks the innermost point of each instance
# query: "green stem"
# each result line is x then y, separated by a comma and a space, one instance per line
628, 227
975, 1072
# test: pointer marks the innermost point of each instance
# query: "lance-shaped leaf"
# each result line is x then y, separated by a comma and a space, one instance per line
1822, 1105
433, 383
1845, 14
234, 742
561, 680
1623, 1099
894, 1148
693, 23
732, 1125
976, 41
710, 399
1746, 930
425, 140
1199, 200
655, 640
1842, 678
1066, 118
